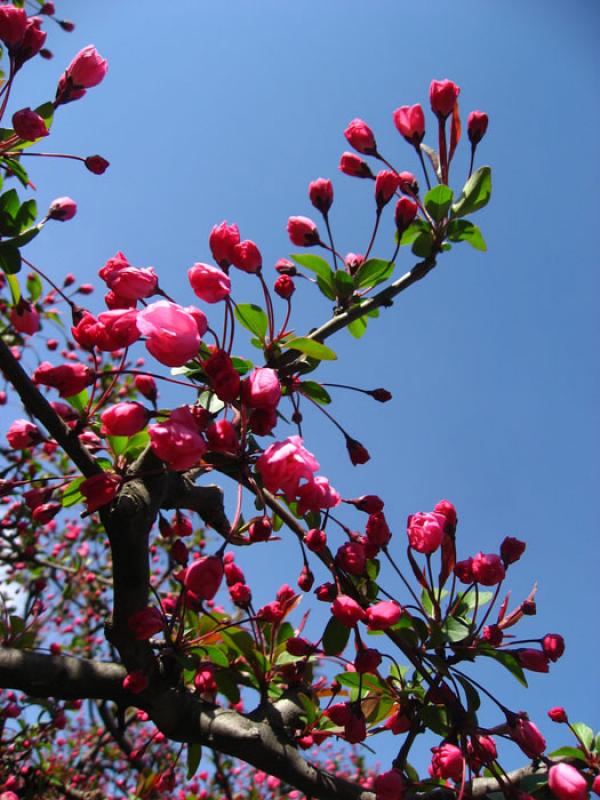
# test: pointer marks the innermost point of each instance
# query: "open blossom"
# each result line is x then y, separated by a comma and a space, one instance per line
171, 331
316, 495
425, 531
284, 464
132, 283
209, 283
488, 569
69, 379
177, 441
447, 762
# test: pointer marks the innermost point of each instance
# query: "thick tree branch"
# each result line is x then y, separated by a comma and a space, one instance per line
37, 405
63, 677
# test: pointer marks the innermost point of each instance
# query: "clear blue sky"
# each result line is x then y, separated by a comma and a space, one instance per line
228, 110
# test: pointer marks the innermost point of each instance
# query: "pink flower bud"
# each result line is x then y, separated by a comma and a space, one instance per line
315, 540
284, 464
390, 785
222, 241
361, 137
320, 193
351, 558
99, 490
87, 69
209, 283
171, 331
386, 185
204, 577
447, 762
146, 386
222, 437
532, 659
527, 736
567, 783
558, 714
410, 122
406, 211
297, 646
369, 503
358, 452
177, 441
347, 611
146, 623
383, 615
96, 164
477, 124
23, 434
306, 579
261, 389
28, 125
487, 569
443, 96
425, 531
553, 645
367, 660
511, 550
354, 166
596, 785
62, 209
446, 508
240, 594
25, 318
378, 532
303, 232
13, 22
284, 287
31, 44
69, 379
124, 419
135, 682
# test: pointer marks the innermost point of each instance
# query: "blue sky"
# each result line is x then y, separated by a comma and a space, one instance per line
227, 110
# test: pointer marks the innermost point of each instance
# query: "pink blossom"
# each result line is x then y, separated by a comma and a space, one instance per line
567, 783
347, 611
87, 68
284, 464
62, 209
204, 577
425, 531
22, 434
209, 283
124, 419
383, 615
25, 318
410, 122
262, 389
390, 785
316, 495
177, 441
447, 762
171, 332
488, 569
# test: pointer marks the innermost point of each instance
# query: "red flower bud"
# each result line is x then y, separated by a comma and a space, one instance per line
378, 532
247, 257
13, 22
99, 490
146, 386
326, 592
386, 185
320, 193
532, 659
406, 211
383, 615
361, 137
488, 569
351, 558
315, 540
567, 783
135, 682
284, 287
306, 579
204, 577
145, 623
28, 125
222, 241
358, 453
511, 550
286, 267
303, 232
96, 164
297, 646
260, 530
390, 785
347, 611
477, 124
354, 166
558, 714
369, 503
381, 395
367, 660
410, 122
553, 645
240, 594
443, 96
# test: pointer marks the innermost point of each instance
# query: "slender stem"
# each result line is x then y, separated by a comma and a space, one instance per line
422, 160
442, 149
403, 579
473, 148
330, 235
374, 234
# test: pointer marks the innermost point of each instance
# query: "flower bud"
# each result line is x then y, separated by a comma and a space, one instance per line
443, 96
204, 577
378, 532
367, 660
361, 137
320, 193
386, 185
553, 645
146, 386
425, 531
285, 267
406, 211
260, 530
511, 550
383, 615
354, 166
351, 558
303, 232
558, 714
284, 287
96, 164
135, 682
146, 623
13, 22
247, 257
532, 659
62, 209
477, 124
488, 569
210, 284
410, 122
306, 579
315, 540
347, 611
358, 452
28, 125
567, 783
390, 785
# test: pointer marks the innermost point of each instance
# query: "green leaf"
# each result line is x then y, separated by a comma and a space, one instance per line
437, 201
15, 289
508, 660
79, 401
372, 272
26, 215
241, 365
328, 289
315, 264
10, 259
34, 287
311, 348
17, 169
335, 637
461, 230
358, 327
344, 285
585, 733
568, 752
226, 684
118, 444
136, 444
416, 227
214, 654
468, 601
316, 392
211, 402
71, 494
436, 719
456, 629
253, 318
23, 238
471, 693
194, 754
46, 112
423, 245
475, 194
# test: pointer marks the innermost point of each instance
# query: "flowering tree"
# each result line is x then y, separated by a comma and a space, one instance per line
122, 653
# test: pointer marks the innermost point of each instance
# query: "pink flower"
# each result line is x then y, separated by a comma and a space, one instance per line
23, 434
410, 122
527, 736
488, 569
378, 532
62, 209
443, 96
320, 193
353, 165
146, 386
222, 436
209, 283
386, 184
447, 762
171, 331
13, 22
247, 257
351, 558
284, 286
124, 419
316, 540
317, 495
131, 283
511, 550
177, 441
32, 42
406, 211
567, 783
99, 490
222, 241
25, 318
390, 785
558, 714
284, 464
87, 69
28, 125
347, 611
425, 531
145, 623
204, 577
383, 615
302, 232
120, 329
361, 137
477, 123
532, 659
553, 645
69, 379
262, 389
367, 660
446, 508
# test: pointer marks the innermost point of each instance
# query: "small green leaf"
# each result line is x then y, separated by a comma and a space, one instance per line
214, 654
508, 660
71, 494
194, 754
358, 327
136, 444
372, 272
253, 318
241, 365
456, 629
211, 402
475, 194
10, 259
461, 230
585, 733
423, 245
311, 348
79, 401
344, 285
416, 227
316, 392
437, 201
335, 637
118, 444
15, 289
315, 264
34, 287
326, 288
26, 215
568, 752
